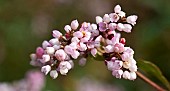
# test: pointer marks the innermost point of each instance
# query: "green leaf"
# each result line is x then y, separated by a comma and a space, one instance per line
152, 70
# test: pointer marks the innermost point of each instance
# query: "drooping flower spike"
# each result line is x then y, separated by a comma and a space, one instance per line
57, 55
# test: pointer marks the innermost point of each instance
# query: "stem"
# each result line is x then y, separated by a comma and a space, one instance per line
150, 82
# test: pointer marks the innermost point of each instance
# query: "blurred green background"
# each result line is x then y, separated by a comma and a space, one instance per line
24, 24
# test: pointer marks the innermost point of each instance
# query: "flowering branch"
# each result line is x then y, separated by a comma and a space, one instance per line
150, 82
57, 54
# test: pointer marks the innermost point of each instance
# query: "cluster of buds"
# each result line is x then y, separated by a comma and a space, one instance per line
57, 55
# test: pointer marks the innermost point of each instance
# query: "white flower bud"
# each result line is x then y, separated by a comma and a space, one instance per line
117, 9
94, 26
132, 19
120, 27
63, 71
133, 68
54, 74
56, 47
122, 14
67, 28
74, 24
127, 28
132, 76
64, 66
45, 58
106, 18
126, 75
50, 50
46, 69
98, 19
54, 41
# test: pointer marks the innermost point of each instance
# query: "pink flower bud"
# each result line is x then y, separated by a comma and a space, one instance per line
39, 52
56, 34
119, 47
67, 28
94, 52
117, 73
123, 41
74, 24
60, 55
45, 44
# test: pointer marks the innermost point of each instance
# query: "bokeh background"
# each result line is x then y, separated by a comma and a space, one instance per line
24, 24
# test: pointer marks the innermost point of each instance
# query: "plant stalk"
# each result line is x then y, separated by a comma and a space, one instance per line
153, 84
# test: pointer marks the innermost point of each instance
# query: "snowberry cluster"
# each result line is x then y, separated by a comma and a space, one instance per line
57, 55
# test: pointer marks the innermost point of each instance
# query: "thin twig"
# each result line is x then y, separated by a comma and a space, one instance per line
150, 82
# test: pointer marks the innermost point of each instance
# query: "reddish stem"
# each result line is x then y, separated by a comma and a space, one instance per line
153, 84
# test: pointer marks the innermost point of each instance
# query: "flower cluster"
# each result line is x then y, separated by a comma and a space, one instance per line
57, 55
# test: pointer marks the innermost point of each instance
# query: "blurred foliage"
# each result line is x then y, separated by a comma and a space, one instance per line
24, 24
153, 72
